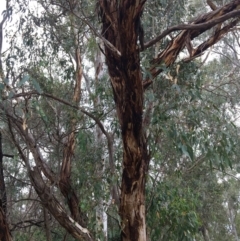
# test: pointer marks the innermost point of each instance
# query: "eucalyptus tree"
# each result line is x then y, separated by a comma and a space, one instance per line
121, 27
50, 102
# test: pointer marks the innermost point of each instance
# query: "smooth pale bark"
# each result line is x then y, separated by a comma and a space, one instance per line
232, 219
101, 215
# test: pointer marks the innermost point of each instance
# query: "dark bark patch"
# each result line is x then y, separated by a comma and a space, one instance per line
127, 181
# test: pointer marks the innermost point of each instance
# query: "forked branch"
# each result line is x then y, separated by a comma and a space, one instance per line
190, 31
202, 23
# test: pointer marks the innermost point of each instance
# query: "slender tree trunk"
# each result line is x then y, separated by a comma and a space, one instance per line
205, 234
47, 224
231, 218
68, 152
4, 229
100, 209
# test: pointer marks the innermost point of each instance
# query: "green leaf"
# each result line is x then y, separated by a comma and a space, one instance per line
6, 81
1, 86
190, 152
37, 86
11, 94
187, 150
23, 80
177, 88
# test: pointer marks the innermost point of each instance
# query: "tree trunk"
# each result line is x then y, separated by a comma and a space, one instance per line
4, 229
121, 24
47, 224
101, 216
232, 219
204, 231
68, 152
121, 29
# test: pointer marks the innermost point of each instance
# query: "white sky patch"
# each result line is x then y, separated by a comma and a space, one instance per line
2, 8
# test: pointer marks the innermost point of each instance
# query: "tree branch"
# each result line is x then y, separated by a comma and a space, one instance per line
211, 5
98, 122
193, 26
191, 31
7, 155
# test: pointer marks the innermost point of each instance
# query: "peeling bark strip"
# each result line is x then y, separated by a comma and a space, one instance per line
121, 21
170, 54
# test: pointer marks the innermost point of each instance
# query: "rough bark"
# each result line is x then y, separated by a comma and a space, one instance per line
4, 229
121, 28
